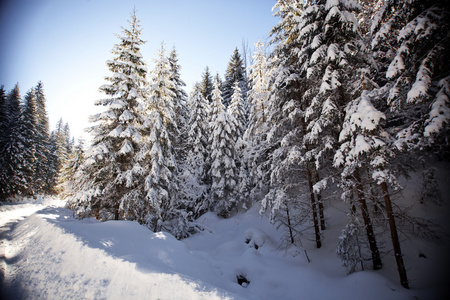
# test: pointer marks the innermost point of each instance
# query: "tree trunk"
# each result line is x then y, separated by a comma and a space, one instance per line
314, 209
320, 204
394, 237
376, 258
289, 225
116, 211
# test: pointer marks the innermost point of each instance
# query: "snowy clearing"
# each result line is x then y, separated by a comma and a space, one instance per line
47, 254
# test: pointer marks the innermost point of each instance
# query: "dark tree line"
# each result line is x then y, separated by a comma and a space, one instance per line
30, 157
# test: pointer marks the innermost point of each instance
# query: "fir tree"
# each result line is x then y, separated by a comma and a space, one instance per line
3, 116
68, 181
41, 141
28, 133
62, 141
207, 85
113, 163
256, 158
411, 46
259, 92
235, 72
237, 111
364, 144
16, 158
223, 165
162, 208
180, 105
194, 169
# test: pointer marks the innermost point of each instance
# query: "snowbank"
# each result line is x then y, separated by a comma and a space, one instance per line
51, 255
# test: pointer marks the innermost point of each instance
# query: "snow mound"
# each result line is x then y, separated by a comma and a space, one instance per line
256, 238
51, 255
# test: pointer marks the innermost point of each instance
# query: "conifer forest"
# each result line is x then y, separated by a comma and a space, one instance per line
343, 104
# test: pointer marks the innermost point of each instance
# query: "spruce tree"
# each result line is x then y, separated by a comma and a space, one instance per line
256, 158
69, 181
62, 141
235, 72
411, 48
180, 101
207, 85
3, 115
16, 158
285, 137
162, 208
364, 144
28, 142
41, 141
237, 111
223, 171
193, 171
258, 94
113, 163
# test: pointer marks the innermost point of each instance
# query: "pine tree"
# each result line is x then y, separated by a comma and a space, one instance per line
287, 116
180, 105
51, 174
17, 155
193, 174
259, 92
238, 116
162, 182
62, 143
256, 158
41, 141
363, 145
235, 72
411, 46
28, 133
207, 85
237, 111
113, 163
68, 181
3, 116
223, 165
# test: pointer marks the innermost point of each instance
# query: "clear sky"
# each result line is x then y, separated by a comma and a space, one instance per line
65, 43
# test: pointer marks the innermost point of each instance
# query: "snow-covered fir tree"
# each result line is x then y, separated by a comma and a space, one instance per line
238, 115
409, 44
3, 115
28, 144
235, 72
207, 85
113, 164
364, 144
17, 156
255, 155
162, 208
62, 141
180, 105
41, 141
237, 111
258, 94
223, 170
68, 180
193, 171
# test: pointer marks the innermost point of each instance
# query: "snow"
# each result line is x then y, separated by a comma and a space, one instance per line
397, 65
49, 254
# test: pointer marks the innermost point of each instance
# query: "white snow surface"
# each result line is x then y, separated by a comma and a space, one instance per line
47, 254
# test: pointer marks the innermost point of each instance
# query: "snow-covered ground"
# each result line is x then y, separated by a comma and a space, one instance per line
47, 254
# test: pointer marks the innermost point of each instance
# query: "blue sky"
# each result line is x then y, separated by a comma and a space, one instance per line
65, 43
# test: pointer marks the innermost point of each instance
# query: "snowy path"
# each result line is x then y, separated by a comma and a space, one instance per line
44, 258
46, 254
